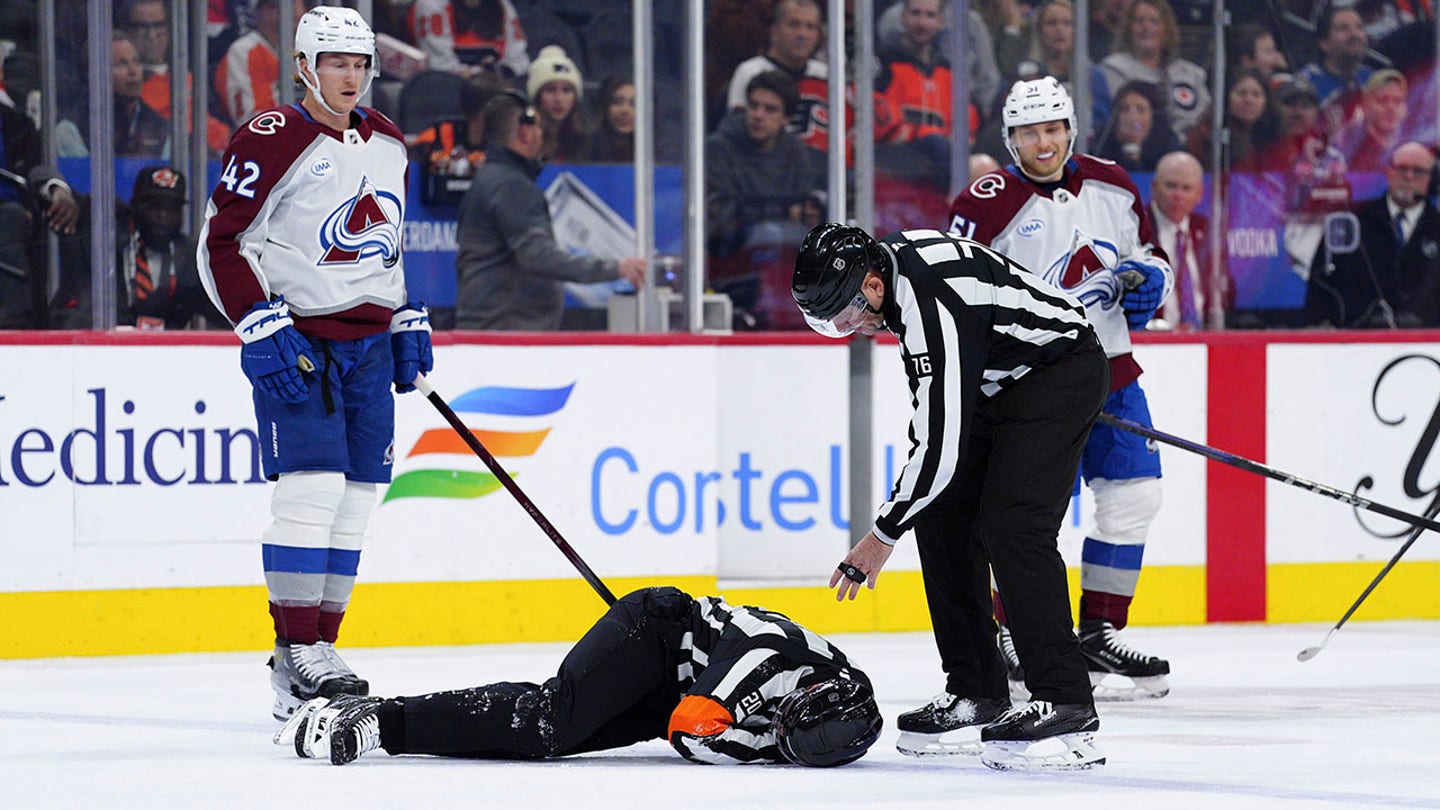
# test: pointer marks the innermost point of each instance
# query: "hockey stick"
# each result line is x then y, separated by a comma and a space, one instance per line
509, 483
1270, 472
1310, 652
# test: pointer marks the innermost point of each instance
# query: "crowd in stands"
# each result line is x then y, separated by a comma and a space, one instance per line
1324, 94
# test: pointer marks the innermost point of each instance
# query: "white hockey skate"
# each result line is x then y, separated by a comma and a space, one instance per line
1118, 672
1043, 736
947, 725
301, 672
339, 729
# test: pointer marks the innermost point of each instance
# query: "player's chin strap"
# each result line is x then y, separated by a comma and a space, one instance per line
314, 86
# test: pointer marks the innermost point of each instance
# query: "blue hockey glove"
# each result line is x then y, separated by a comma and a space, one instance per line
410, 343
273, 350
1141, 300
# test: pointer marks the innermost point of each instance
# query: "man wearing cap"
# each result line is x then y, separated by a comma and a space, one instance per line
1367, 139
157, 284
509, 270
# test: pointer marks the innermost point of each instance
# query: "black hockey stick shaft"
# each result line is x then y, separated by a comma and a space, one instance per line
514, 489
1270, 472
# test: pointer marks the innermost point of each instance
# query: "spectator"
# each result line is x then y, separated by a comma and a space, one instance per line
979, 51
756, 172
509, 269
613, 141
1202, 293
1137, 134
1297, 130
31, 193
139, 130
1149, 51
149, 24
468, 35
455, 148
248, 79
1250, 46
1248, 120
982, 163
913, 113
1052, 53
1393, 278
555, 88
157, 284
1367, 139
1339, 74
795, 37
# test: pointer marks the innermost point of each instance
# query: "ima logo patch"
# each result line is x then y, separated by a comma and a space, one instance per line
365, 225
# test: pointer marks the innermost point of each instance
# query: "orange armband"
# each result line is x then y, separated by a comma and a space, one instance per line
699, 716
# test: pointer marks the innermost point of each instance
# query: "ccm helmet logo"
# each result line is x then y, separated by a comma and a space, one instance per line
838, 263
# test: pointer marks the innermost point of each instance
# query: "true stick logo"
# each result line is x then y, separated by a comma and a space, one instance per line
1424, 446
441, 453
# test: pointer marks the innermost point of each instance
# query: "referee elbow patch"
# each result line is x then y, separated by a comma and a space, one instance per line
699, 716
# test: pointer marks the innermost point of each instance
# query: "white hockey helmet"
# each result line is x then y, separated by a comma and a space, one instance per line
1036, 102
333, 29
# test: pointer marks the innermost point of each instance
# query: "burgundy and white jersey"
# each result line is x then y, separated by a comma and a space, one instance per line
1073, 234
312, 214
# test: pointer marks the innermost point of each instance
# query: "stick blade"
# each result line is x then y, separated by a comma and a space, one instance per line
1307, 653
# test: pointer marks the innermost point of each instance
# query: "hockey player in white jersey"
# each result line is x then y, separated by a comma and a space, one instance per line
1078, 222
301, 251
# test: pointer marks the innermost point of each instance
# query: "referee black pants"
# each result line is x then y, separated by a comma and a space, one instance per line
617, 686
1003, 511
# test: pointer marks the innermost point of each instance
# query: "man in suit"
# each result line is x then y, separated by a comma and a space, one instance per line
1202, 293
1393, 278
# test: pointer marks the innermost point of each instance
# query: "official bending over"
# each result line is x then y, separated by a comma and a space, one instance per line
301, 251
1007, 377
723, 684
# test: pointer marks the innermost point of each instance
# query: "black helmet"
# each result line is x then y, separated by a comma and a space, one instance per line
830, 723
830, 267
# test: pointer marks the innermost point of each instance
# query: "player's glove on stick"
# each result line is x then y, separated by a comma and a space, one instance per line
1141, 300
410, 343
272, 350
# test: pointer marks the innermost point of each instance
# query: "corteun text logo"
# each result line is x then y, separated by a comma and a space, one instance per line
509, 422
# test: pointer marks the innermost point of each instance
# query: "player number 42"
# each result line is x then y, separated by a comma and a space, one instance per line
234, 183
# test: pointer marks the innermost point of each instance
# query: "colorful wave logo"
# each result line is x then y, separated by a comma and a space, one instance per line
495, 406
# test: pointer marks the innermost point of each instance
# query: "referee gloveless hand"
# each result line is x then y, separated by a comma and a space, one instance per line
861, 565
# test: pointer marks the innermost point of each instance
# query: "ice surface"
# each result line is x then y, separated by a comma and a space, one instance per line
1245, 726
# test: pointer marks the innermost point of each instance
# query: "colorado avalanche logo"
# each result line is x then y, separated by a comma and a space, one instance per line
364, 225
1085, 271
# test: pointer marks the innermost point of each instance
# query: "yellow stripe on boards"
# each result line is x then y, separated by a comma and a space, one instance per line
179, 620
1322, 592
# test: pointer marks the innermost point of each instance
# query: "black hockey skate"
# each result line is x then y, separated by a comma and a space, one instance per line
301, 672
1116, 671
340, 729
1043, 736
1014, 673
947, 725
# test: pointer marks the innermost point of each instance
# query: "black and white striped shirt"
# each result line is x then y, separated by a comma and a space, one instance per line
740, 662
970, 323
